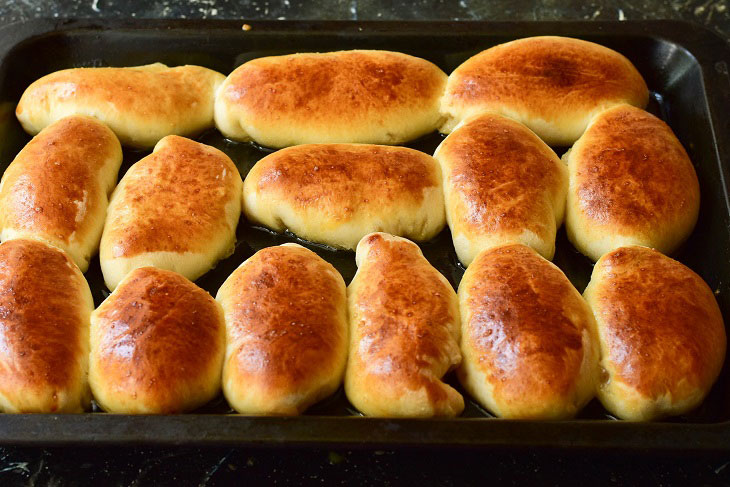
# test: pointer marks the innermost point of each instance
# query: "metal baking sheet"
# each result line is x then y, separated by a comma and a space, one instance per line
685, 66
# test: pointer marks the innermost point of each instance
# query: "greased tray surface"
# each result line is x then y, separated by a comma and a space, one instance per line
686, 68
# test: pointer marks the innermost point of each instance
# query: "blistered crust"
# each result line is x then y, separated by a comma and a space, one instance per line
376, 97
175, 209
502, 184
45, 304
338, 193
57, 187
157, 345
286, 322
631, 183
554, 85
141, 104
528, 337
404, 332
662, 334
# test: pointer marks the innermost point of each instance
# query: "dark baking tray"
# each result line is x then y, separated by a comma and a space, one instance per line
685, 66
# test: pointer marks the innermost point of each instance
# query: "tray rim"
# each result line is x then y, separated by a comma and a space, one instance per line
232, 429
357, 432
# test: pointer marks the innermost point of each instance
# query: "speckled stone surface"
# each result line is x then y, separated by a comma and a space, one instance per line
715, 14
193, 466
185, 466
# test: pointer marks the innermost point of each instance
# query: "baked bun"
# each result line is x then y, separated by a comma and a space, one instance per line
57, 188
404, 333
661, 333
45, 306
338, 193
502, 184
157, 345
141, 104
175, 209
554, 85
375, 97
528, 337
286, 326
631, 183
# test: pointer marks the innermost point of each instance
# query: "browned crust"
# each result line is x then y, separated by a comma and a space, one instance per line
629, 170
157, 335
54, 174
347, 179
546, 75
526, 325
43, 320
287, 324
162, 93
506, 178
173, 200
332, 88
660, 325
407, 326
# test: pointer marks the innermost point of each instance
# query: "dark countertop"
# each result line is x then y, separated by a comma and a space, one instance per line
714, 14
191, 466
194, 466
